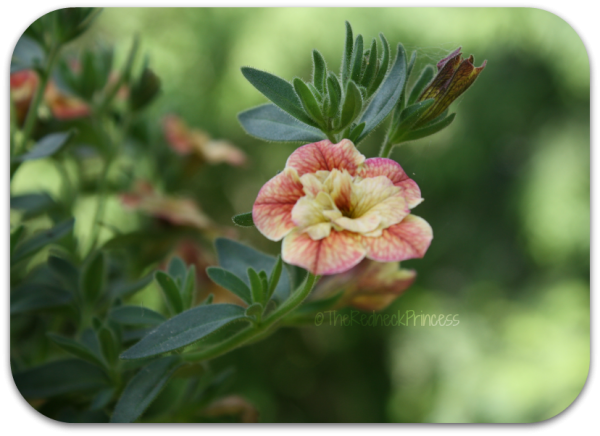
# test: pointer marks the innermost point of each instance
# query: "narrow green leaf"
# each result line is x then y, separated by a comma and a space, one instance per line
387, 96
65, 272
274, 277
347, 59
60, 377
411, 115
255, 286
309, 101
109, 345
279, 92
188, 289
123, 290
143, 388
334, 91
428, 130
319, 71
32, 204
383, 66
34, 296
264, 281
135, 315
76, 349
185, 329
15, 237
371, 68
244, 220
171, 291
230, 281
237, 258
355, 132
41, 239
270, 123
47, 146
93, 278
424, 79
352, 105
102, 398
357, 59
255, 309
177, 270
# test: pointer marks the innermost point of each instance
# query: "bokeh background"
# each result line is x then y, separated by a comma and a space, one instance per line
506, 190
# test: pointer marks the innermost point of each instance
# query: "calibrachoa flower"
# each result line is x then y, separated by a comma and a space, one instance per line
332, 208
185, 141
369, 285
178, 211
22, 87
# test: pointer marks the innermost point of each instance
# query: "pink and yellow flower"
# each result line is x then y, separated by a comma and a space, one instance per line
185, 141
368, 286
332, 208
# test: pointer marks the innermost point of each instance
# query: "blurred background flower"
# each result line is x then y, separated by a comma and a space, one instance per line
507, 189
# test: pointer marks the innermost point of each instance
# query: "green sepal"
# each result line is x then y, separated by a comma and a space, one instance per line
255, 309
243, 220
424, 79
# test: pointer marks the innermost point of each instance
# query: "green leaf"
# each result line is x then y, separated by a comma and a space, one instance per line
40, 240
109, 345
244, 220
237, 258
123, 290
15, 237
143, 388
255, 286
65, 272
60, 377
279, 92
32, 204
319, 71
47, 146
93, 278
421, 83
102, 398
264, 282
347, 59
188, 289
383, 66
177, 270
34, 296
185, 329
352, 105
309, 101
255, 309
355, 132
334, 91
371, 68
274, 277
135, 315
357, 59
171, 291
387, 96
270, 123
76, 349
230, 281
27, 55
144, 90
410, 116
428, 130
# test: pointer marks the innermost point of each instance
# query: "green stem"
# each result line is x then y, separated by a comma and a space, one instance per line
260, 330
100, 206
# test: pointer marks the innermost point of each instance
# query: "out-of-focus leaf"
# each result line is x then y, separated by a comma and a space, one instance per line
185, 329
170, 290
244, 220
143, 388
41, 239
65, 272
136, 315
47, 146
102, 398
60, 377
274, 277
93, 278
27, 55
144, 90
188, 288
123, 290
32, 204
34, 296
15, 237
177, 269
230, 281
237, 258
270, 123
76, 349
109, 345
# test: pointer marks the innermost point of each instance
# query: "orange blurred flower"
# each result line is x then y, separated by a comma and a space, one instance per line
63, 105
22, 87
185, 141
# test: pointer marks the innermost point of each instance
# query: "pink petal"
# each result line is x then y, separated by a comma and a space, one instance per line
325, 156
408, 239
334, 254
379, 166
272, 211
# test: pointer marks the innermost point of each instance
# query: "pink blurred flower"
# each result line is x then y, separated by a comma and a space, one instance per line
64, 106
333, 208
185, 141
178, 211
22, 87
369, 285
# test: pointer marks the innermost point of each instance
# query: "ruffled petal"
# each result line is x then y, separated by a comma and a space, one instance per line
379, 166
272, 211
377, 196
408, 239
334, 254
325, 156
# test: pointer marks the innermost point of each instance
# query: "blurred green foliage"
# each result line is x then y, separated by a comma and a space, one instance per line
506, 189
